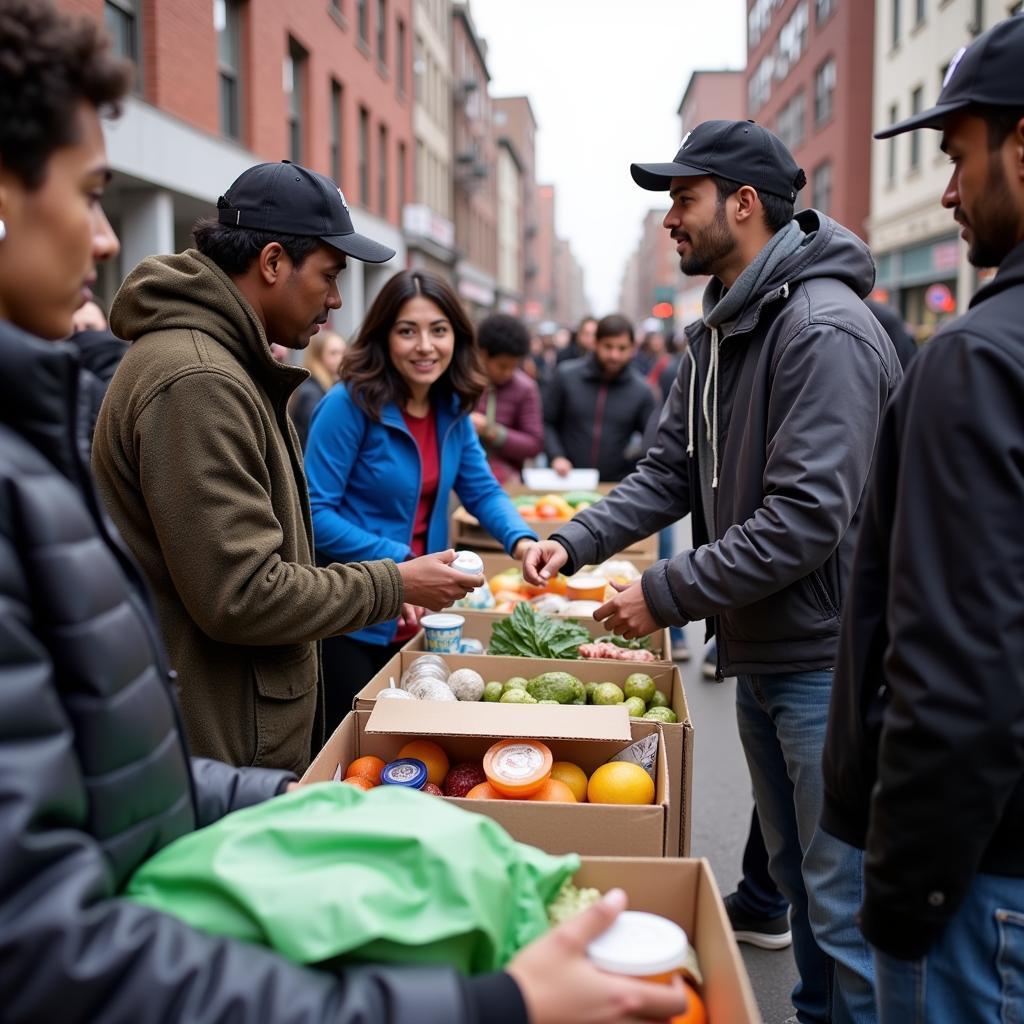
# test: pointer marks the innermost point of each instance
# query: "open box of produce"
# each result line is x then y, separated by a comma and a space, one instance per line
512, 680
544, 514
521, 633
506, 587
626, 805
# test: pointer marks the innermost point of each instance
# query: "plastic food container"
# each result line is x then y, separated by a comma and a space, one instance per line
406, 771
443, 633
585, 588
518, 768
641, 945
428, 668
471, 646
468, 562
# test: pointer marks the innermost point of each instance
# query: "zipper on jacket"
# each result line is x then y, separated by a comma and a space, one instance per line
595, 448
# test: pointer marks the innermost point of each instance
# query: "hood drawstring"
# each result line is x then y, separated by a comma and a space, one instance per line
711, 418
691, 421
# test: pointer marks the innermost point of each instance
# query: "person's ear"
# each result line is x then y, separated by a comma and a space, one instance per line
746, 203
272, 263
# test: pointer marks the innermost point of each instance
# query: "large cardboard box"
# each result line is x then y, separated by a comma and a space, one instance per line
466, 730
686, 892
677, 740
480, 622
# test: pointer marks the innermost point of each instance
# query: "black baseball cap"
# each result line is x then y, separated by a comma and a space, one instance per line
987, 73
741, 151
296, 201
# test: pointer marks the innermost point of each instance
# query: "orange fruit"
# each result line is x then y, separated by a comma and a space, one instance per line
573, 776
360, 782
369, 767
555, 791
620, 782
484, 791
695, 1012
431, 755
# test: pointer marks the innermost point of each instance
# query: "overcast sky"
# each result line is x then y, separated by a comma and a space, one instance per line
605, 78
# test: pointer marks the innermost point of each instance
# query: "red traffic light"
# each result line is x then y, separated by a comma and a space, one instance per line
663, 311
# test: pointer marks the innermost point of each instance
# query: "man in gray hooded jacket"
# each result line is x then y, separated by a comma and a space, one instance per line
766, 440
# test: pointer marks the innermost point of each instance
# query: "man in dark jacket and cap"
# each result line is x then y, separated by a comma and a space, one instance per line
924, 762
766, 441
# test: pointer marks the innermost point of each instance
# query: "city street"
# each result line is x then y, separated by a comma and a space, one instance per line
722, 804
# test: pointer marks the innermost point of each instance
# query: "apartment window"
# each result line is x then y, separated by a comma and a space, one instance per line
759, 88
364, 157
916, 106
226, 22
823, 10
1017, 8
337, 94
894, 28
759, 18
792, 42
890, 153
403, 197
824, 91
122, 21
790, 126
363, 21
295, 89
821, 187
334, 7
919, 12
382, 32
400, 55
382, 170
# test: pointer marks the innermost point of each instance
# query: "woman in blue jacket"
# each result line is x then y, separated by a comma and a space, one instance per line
386, 449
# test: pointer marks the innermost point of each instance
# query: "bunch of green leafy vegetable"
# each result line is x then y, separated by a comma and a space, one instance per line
642, 643
527, 633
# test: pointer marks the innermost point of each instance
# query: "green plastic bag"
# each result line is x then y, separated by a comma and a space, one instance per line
390, 875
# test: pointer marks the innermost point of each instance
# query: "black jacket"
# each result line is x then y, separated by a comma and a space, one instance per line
924, 760
95, 777
893, 325
590, 421
803, 378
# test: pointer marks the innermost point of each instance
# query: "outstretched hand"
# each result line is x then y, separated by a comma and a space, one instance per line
627, 613
542, 561
561, 986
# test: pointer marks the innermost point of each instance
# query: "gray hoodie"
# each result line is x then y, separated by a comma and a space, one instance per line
799, 385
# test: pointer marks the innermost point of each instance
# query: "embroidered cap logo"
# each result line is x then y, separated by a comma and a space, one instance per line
953, 64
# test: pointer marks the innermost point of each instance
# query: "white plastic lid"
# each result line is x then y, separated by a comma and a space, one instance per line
640, 945
468, 562
441, 621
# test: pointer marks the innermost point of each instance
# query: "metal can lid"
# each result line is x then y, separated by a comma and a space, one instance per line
640, 945
406, 771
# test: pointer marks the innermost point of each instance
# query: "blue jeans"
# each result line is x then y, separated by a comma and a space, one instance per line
782, 720
974, 972
757, 895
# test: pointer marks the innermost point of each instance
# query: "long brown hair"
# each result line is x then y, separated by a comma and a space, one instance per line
313, 358
368, 369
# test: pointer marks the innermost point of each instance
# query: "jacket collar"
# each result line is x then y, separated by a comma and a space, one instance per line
1010, 273
38, 394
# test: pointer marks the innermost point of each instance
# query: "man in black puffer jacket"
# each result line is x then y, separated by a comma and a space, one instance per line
95, 776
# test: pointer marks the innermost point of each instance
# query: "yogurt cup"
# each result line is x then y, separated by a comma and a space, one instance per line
518, 768
443, 632
409, 772
585, 587
468, 562
641, 945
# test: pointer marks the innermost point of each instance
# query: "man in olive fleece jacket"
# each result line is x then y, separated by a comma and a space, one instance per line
201, 470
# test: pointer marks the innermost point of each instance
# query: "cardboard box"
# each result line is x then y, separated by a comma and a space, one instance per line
466, 531
467, 730
676, 743
685, 891
480, 622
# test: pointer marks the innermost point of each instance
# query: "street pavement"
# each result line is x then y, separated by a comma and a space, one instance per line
721, 815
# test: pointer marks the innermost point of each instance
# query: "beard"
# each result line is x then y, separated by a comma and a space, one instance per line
709, 247
994, 230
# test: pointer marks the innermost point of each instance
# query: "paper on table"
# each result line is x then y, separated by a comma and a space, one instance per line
549, 480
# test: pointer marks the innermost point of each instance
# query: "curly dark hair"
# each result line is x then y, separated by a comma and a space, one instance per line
235, 250
503, 335
49, 63
368, 369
